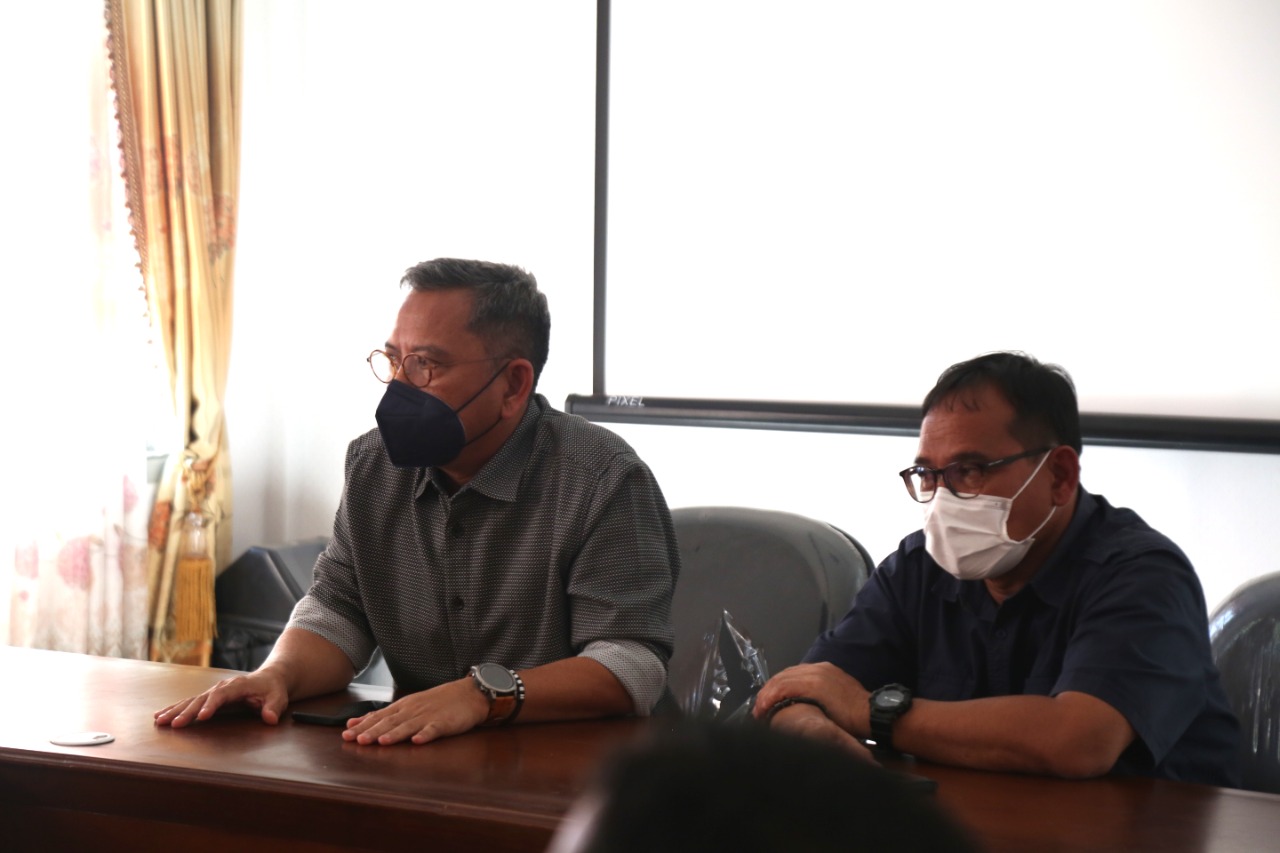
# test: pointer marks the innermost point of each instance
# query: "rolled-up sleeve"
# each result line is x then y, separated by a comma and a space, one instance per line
621, 584
332, 608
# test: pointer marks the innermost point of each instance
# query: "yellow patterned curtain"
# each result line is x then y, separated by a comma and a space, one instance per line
176, 73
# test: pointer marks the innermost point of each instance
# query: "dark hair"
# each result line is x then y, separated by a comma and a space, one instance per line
746, 788
1042, 395
509, 313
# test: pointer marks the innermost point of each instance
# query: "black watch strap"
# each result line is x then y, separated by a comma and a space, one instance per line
887, 705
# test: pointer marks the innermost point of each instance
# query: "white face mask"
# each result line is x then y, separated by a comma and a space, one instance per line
969, 536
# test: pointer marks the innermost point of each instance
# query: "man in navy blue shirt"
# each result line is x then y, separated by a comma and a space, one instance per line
1029, 626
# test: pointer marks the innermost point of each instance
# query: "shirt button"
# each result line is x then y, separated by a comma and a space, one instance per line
457, 603
1001, 633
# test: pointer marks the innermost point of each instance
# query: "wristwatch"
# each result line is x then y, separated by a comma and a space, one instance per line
504, 688
887, 705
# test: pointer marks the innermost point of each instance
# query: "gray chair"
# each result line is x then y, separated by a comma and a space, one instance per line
1244, 633
784, 578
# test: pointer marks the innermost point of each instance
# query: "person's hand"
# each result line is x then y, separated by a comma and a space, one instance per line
841, 695
264, 691
449, 709
808, 721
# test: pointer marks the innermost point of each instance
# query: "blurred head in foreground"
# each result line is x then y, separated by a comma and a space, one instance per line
708, 787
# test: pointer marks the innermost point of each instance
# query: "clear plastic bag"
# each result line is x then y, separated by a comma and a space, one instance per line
733, 670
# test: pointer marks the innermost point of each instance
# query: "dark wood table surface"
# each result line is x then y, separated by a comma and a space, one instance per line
1010, 812
236, 784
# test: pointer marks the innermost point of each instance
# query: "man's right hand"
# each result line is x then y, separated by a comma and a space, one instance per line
808, 721
301, 665
264, 691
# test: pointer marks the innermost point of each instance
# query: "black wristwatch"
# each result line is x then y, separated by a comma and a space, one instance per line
503, 687
887, 705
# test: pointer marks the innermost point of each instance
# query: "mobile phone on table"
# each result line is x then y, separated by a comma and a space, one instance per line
340, 716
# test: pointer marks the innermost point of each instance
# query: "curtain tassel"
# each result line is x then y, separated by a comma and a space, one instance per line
194, 612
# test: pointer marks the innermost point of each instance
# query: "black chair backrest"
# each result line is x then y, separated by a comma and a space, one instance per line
1244, 632
784, 578
264, 583
255, 596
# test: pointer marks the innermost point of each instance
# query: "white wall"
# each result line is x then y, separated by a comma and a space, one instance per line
418, 129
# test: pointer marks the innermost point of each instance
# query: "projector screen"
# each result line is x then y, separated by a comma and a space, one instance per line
833, 201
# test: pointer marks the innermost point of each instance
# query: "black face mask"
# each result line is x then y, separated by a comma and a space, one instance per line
419, 430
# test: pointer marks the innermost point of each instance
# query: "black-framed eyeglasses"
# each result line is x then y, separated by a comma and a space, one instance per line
964, 479
418, 369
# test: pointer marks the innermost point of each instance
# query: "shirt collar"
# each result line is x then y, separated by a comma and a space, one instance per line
1050, 583
499, 478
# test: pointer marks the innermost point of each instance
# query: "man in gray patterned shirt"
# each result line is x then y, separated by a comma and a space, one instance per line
507, 558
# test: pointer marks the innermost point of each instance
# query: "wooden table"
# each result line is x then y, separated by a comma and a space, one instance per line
234, 784
1008, 812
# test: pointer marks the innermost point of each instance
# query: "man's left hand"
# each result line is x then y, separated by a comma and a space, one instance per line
443, 711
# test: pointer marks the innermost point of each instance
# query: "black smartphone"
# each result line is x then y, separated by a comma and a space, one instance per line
340, 716
917, 783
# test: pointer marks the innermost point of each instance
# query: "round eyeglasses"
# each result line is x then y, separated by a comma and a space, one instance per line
418, 369
964, 479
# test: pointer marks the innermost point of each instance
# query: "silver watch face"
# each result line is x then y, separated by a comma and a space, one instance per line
495, 678
889, 699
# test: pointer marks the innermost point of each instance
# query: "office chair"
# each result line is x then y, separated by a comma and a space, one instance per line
783, 578
255, 596
1244, 634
